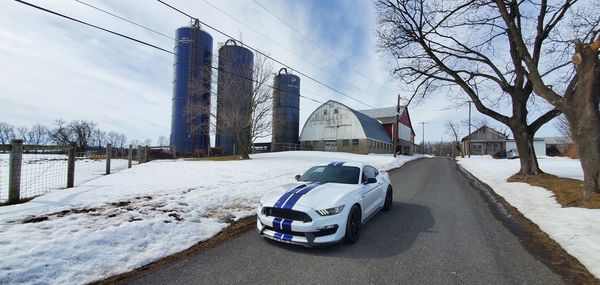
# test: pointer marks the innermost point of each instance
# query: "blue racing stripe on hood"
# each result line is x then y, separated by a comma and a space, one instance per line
287, 195
289, 204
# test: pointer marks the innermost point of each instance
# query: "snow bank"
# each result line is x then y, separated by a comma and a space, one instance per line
575, 229
122, 221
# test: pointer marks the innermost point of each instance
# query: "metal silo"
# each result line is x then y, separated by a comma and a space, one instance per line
190, 121
234, 96
286, 111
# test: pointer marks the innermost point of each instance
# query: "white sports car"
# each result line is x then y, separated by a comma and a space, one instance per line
327, 205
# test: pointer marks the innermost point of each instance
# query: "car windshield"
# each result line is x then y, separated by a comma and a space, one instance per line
332, 174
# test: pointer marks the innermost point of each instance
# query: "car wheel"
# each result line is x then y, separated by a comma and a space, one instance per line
353, 225
387, 205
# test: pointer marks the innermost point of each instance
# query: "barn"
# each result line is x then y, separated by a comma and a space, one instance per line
334, 126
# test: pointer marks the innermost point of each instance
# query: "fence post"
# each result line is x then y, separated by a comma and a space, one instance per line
139, 154
108, 157
71, 165
146, 154
14, 171
129, 156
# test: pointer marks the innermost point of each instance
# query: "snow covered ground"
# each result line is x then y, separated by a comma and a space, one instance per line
122, 221
576, 229
41, 173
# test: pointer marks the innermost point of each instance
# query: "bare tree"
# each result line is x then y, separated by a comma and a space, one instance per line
452, 128
7, 133
61, 133
82, 131
99, 137
579, 99
455, 45
38, 134
563, 126
21, 133
162, 141
245, 118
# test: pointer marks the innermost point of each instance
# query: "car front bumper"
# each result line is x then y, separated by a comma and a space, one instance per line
309, 234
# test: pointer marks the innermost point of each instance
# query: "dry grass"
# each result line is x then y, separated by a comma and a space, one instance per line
568, 192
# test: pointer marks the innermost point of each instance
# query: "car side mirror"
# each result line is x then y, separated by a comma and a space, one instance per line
297, 176
371, 180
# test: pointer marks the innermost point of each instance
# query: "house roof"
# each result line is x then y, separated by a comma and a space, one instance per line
500, 136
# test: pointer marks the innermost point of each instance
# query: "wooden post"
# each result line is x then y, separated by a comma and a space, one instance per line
108, 156
129, 156
146, 154
71, 165
139, 154
14, 171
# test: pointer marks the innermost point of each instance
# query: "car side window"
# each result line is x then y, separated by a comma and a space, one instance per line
369, 172
375, 171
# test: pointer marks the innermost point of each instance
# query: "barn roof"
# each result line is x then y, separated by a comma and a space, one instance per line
384, 115
373, 129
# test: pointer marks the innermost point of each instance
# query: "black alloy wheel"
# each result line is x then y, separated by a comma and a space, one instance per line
353, 225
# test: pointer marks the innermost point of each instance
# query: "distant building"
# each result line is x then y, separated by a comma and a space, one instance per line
487, 141
484, 141
335, 127
557, 146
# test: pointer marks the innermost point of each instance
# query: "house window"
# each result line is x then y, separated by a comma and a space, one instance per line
335, 111
325, 112
345, 142
354, 142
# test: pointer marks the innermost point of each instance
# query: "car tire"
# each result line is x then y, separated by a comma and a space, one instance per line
353, 225
387, 205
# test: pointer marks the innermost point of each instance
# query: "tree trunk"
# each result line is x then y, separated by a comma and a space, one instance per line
527, 156
581, 110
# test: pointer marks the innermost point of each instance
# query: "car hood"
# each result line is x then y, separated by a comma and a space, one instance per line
309, 194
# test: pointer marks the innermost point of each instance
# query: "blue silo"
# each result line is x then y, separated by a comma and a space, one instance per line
190, 121
234, 96
286, 111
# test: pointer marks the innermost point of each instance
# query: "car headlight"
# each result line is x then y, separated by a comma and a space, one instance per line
330, 211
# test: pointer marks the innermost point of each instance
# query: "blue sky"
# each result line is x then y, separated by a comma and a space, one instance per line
52, 68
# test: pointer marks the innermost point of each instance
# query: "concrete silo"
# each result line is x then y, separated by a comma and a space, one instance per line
286, 111
190, 121
234, 96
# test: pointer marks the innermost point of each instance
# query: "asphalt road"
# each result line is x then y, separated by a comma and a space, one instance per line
440, 231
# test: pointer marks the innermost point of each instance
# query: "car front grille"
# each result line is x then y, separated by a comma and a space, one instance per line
286, 214
320, 233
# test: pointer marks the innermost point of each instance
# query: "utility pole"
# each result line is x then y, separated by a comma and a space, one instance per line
469, 137
423, 143
396, 135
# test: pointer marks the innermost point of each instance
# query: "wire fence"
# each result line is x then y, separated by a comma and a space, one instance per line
37, 170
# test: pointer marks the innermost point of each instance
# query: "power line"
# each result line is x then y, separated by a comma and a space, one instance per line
148, 44
288, 49
124, 19
94, 26
266, 55
318, 46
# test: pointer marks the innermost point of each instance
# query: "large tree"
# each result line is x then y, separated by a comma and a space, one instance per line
580, 98
464, 46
